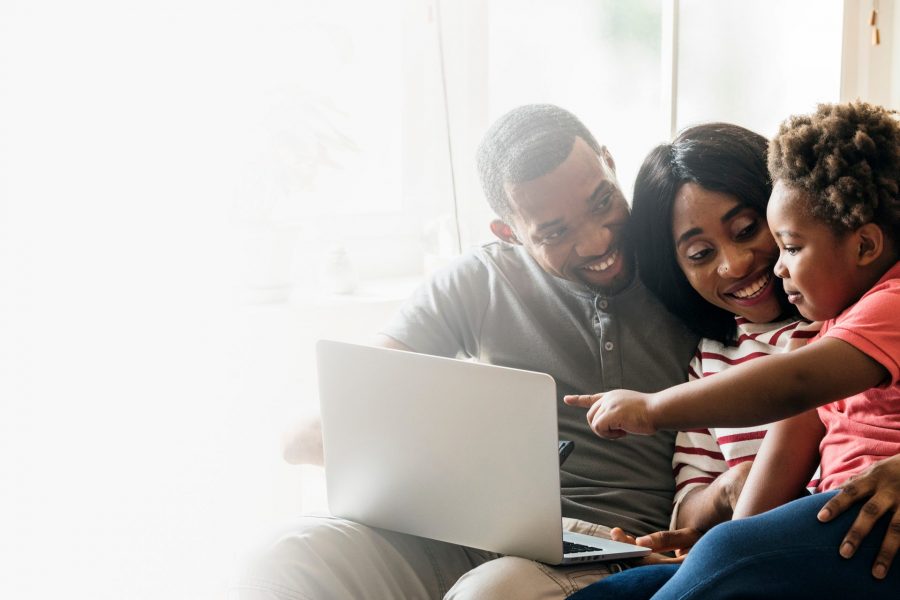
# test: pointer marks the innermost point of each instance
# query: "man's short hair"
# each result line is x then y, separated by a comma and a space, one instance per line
524, 144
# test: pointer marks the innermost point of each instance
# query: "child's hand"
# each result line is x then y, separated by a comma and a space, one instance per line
615, 414
679, 540
617, 534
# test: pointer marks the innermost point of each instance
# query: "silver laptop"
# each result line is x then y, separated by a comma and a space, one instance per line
447, 449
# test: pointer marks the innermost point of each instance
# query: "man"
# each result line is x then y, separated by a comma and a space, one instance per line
558, 294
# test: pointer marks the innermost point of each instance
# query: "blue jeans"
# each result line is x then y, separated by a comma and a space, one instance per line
784, 553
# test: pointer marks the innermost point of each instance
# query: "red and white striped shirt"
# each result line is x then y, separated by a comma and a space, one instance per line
701, 455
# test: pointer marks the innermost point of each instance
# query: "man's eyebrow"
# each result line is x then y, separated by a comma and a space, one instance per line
549, 224
603, 188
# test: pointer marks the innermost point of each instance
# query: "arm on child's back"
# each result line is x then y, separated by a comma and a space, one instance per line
706, 487
708, 505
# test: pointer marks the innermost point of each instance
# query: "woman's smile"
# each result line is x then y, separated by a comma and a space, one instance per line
759, 289
726, 252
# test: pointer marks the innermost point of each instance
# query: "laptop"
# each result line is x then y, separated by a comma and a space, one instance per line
448, 449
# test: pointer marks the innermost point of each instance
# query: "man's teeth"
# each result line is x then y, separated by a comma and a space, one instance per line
753, 289
605, 264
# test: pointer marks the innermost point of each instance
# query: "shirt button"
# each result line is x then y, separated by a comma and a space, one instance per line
608, 346
603, 304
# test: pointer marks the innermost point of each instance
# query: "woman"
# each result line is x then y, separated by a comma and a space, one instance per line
702, 199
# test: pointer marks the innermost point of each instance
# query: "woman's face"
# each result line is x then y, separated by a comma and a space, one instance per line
726, 252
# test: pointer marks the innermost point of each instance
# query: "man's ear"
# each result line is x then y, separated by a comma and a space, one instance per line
870, 243
503, 231
607, 158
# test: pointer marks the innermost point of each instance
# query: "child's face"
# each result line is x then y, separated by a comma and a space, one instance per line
818, 267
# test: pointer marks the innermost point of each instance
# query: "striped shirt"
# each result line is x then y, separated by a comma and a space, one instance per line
701, 455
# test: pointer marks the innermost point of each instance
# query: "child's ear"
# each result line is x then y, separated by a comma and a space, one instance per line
503, 231
871, 243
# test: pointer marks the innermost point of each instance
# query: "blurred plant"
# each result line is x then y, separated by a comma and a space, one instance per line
306, 135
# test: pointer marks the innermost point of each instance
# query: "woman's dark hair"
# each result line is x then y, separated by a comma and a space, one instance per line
719, 157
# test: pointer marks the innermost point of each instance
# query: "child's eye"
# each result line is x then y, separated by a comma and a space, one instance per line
791, 250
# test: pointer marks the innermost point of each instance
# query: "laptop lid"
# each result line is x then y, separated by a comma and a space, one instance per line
441, 448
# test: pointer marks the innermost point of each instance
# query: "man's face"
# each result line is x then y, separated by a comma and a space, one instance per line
571, 220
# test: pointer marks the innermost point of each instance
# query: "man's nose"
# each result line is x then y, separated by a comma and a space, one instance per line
593, 240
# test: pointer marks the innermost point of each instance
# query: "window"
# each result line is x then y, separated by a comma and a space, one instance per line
351, 153
756, 63
328, 167
599, 59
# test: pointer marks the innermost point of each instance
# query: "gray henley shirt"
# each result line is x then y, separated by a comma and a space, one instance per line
498, 306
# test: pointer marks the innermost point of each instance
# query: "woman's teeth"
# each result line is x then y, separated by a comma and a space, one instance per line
753, 289
604, 264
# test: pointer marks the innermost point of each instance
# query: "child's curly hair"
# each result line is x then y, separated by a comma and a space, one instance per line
847, 158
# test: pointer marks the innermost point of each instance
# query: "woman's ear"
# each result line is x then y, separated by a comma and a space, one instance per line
870, 239
503, 231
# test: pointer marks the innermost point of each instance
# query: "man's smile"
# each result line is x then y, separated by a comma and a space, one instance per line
602, 264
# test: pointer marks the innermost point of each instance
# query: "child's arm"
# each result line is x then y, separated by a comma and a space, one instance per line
760, 391
787, 459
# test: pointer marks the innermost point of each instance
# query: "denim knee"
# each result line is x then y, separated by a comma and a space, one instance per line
638, 583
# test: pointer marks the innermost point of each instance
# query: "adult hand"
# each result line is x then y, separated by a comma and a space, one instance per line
880, 483
615, 414
302, 442
678, 540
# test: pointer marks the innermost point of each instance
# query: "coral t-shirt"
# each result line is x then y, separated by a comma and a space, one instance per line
865, 428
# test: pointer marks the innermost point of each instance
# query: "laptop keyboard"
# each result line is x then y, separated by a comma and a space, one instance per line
572, 547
